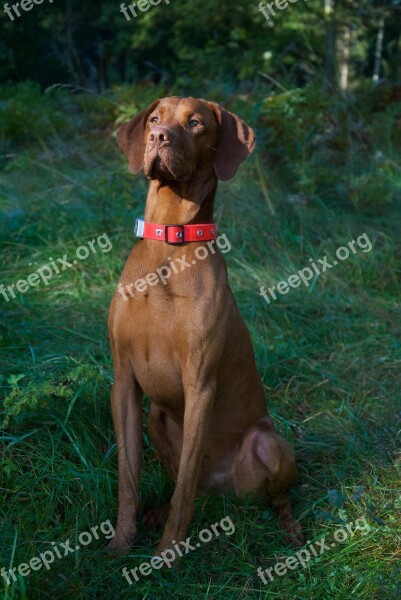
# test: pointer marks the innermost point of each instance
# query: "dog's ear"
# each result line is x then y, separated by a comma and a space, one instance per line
235, 142
130, 138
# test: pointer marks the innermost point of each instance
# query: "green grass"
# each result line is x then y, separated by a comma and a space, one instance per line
330, 357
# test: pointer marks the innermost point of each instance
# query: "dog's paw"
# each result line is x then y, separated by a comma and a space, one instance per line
168, 555
294, 536
156, 518
121, 543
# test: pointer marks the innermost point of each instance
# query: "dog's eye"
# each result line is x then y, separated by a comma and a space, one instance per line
193, 123
154, 119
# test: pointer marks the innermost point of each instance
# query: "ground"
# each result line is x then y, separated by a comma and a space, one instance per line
329, 355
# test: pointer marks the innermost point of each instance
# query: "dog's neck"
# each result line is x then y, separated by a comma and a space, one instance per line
181, 203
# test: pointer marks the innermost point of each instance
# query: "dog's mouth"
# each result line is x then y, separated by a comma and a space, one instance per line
162, 163
153, 166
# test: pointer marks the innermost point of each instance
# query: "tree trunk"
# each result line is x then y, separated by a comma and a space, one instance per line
71, 55
379, 49
343, 55
330, 54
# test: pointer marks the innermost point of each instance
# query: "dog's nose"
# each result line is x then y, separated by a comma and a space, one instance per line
159, 134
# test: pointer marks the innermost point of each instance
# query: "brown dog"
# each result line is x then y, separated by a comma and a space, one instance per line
184, 344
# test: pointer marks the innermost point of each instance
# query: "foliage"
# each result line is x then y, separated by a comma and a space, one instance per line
306, 132
25, 113
33, 396
193, 42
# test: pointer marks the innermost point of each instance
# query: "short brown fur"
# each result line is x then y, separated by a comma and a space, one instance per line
185, 344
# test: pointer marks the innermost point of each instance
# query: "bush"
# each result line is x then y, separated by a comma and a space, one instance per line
27, 114
328, 146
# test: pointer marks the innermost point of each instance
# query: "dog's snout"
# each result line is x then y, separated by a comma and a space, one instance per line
159, 135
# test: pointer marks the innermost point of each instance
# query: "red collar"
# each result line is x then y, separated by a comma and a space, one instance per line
175, 234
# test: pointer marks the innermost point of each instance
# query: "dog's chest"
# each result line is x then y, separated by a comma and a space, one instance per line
167, 319
156, 341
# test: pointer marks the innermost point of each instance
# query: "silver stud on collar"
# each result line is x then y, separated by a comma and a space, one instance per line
199, 233
212, 231
159, 231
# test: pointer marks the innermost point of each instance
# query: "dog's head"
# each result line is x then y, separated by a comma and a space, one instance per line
175, 137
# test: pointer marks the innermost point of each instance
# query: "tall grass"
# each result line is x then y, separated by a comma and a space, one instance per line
329, 355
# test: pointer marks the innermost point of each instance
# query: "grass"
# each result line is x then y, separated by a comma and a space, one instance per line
329, 354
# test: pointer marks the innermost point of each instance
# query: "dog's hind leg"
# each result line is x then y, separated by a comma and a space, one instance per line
265, 466
157, 518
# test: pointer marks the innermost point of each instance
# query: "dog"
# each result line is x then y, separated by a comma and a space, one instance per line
185, 344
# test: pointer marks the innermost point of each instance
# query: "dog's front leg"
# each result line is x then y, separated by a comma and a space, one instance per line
199, 399
126, 402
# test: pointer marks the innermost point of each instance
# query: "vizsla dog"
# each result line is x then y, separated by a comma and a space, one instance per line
185, 344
